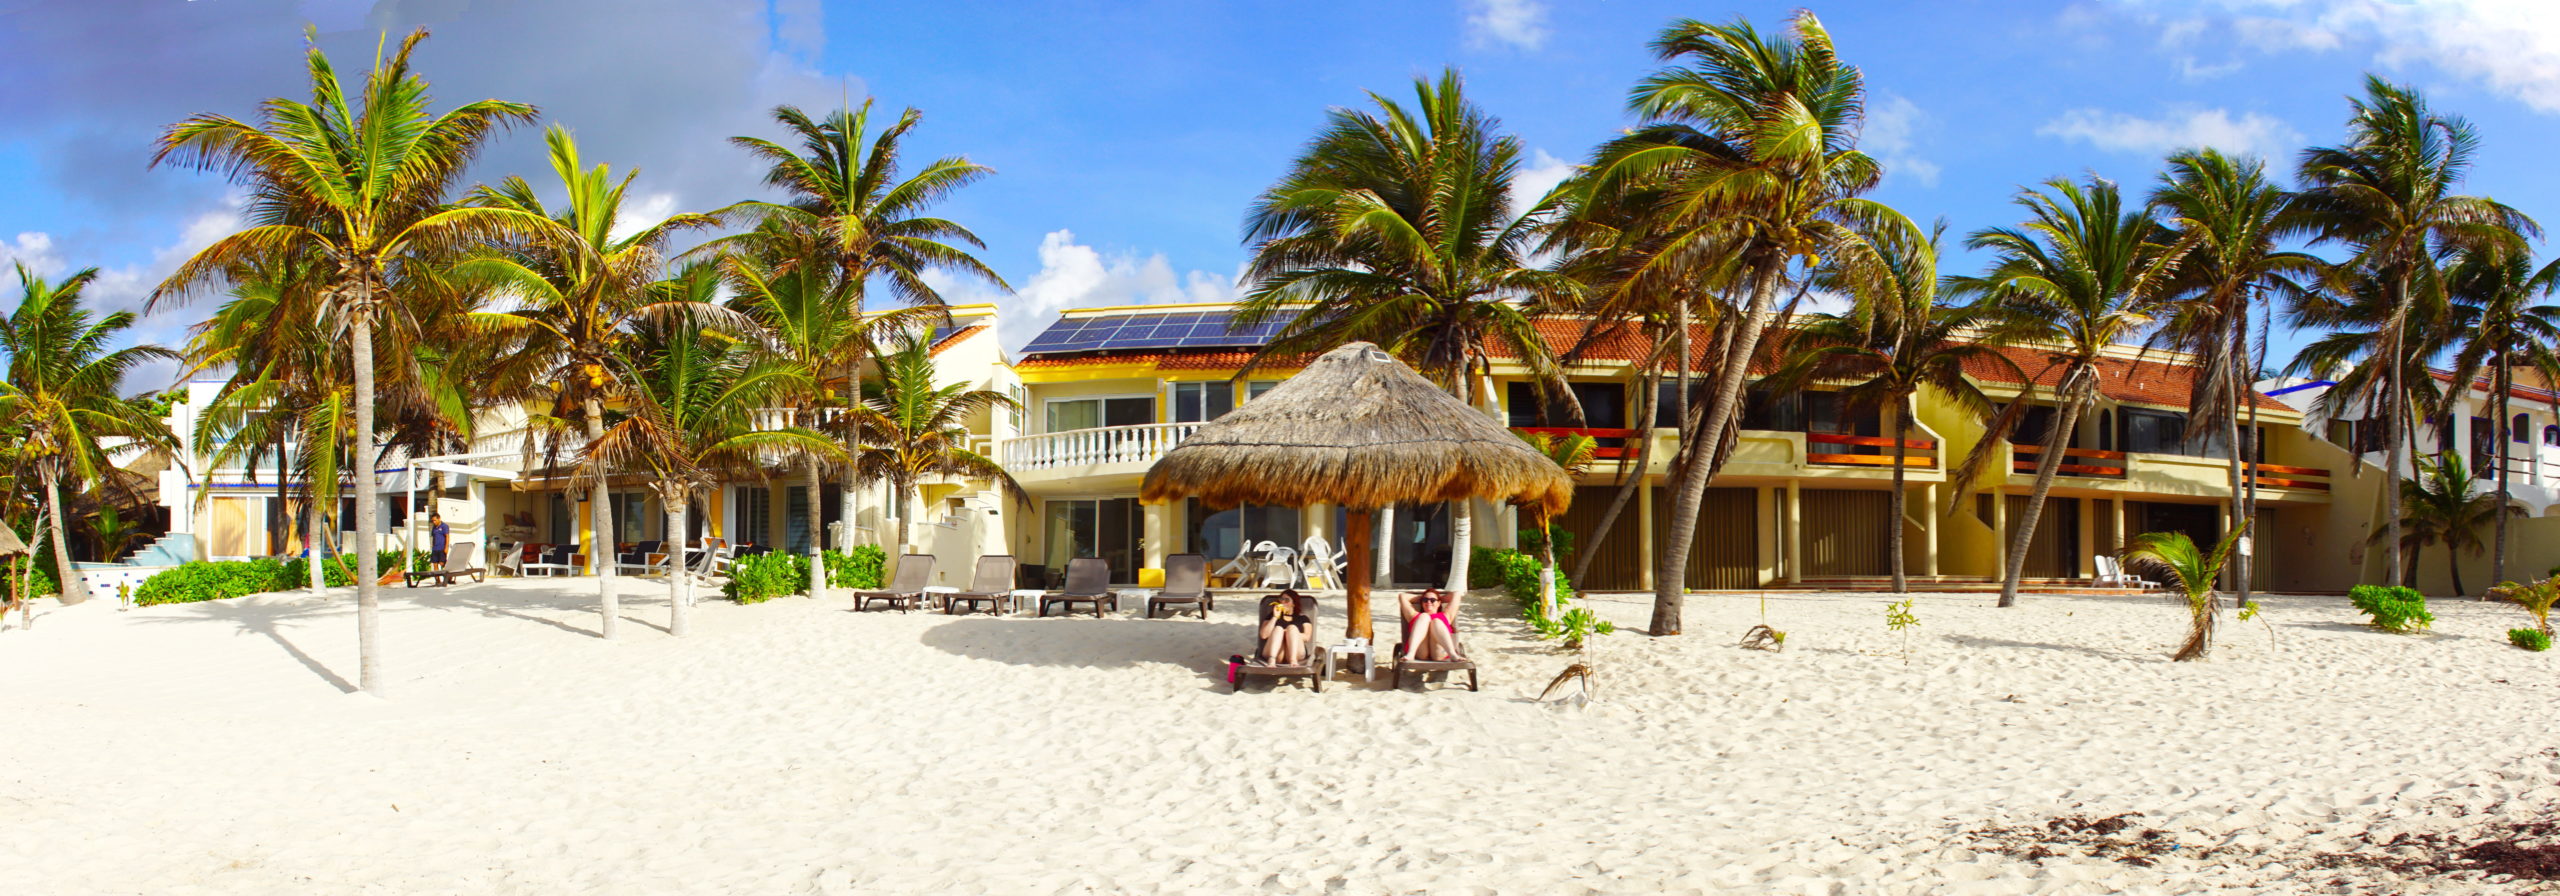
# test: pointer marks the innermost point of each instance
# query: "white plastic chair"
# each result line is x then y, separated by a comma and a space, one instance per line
1279, 567
2111, 574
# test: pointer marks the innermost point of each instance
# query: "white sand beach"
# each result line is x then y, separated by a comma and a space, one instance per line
796, 747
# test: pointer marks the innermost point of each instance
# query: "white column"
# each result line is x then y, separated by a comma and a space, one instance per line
1794, 524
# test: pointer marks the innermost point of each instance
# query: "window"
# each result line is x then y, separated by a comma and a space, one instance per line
2162, 432
1202, 402
1224, 533
1604, 406
630, 512
1254, 389
795, 519
1021, 399
1666, 401
1113, 529
2522, 429
1088, 413
755, 516
2551, 435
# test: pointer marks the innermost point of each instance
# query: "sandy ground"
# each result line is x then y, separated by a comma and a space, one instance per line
796, 747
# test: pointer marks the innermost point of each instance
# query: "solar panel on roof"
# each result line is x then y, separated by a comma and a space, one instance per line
1152, 330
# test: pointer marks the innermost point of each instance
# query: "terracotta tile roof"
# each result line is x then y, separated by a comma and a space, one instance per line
2148, 381
953, 338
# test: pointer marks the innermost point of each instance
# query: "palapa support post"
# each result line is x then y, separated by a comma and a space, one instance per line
1355, 583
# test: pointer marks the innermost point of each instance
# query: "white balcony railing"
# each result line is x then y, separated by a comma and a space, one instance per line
1087, 447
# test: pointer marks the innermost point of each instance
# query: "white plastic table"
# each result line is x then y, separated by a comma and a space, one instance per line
1023, 600
1136, 599
1337, 654
943, 590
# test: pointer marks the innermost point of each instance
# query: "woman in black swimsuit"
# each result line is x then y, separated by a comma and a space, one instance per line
1285, 632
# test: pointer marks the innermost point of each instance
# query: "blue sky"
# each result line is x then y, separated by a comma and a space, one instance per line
1128, 137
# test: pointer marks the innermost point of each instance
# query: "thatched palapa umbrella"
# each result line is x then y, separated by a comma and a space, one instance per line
1360, 430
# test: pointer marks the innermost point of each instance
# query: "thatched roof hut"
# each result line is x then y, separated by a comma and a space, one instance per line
1360, 430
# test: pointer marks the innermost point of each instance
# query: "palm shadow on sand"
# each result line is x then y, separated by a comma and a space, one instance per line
266, 615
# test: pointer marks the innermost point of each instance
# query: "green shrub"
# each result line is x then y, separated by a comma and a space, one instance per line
863, 568
2393, 608
1516, 574
39, 579
217, 580
2529, 639
757, 578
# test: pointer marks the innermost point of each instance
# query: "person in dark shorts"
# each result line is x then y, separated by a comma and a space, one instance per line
437, 533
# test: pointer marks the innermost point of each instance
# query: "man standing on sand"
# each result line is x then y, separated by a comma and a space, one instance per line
437, 532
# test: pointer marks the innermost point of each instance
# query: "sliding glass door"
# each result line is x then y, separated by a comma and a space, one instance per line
1113, 529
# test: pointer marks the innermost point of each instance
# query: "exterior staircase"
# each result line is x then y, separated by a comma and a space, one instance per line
167, 550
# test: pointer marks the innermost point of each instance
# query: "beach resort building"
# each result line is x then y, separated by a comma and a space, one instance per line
1803, 502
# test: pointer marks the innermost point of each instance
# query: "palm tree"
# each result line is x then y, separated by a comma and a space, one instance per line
2229, 219
63, 392
2387, 194
1398, 228
696, 398
362, 186
909, 427
1752, 141
581, 292
2192, 571
849, 209
286, 393
2498, 328
1896, 340
2441, 506
2081, 275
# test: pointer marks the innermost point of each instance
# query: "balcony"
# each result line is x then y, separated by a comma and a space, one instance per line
1612, 442
1102, 450
2088, 462
2175, 474
1920, 454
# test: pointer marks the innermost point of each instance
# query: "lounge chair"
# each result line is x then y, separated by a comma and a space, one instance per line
644, 559
511, 559
2111, 574
1186, 585
1313, 670
558, 559
457, 563
992, 585
1088, 582
1422, 670
906, 589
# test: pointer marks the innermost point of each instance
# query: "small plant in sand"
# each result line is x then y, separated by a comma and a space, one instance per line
2249, 611
2191, 572
1899, 619
2535, 597
2529, 639
1762, 637
2393, 608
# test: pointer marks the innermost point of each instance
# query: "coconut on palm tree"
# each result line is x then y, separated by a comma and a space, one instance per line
360, 183
1399, 228
2082, 274
695, 396
63, 390
849, 207
2388, 195
910, 426
2192, 572
580, 293
1896, 340
2443, 506
1752, 141
2229, 220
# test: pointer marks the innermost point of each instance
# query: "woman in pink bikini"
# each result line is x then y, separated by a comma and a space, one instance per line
1430, 625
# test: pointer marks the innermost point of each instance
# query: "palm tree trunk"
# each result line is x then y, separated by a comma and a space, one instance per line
2056, 443
1462, 512
368, 566
1901, 456
2498, 547
600, 513
74, 591
280, 535
676, 615
2239, 567
1671, 568
817, 560
2453, 565
2393, 421
311, 541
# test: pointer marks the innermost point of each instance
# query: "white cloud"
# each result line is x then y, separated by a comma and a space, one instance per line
33, 249
1519, 23
2510, 46
647, 211
1542, 174
1893, 127
1074, 275
2246, 134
